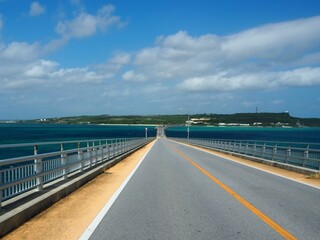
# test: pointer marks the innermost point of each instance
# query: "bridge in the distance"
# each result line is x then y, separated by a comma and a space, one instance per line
181, 192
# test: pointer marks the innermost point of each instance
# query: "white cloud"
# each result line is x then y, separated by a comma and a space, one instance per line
264, 57
228, 82
22, 66
116, 62
47, 74
155, 89
261, 58
179, 56
258, 80
134, 77
84, 24
20, 84
40, 69
301, 77
275, 42
36, 9
77, 75
19, 51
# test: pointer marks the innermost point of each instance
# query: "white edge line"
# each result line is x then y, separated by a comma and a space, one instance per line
276, 174
96, 221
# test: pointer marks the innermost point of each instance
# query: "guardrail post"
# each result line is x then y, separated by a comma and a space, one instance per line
90, 154
38, 168
63, 162
94, 153
274, 152
288, 154
1, 191
101, 149
117, 147
254, 148
80, 157
263, 149
109, 150
122, 145
306, 156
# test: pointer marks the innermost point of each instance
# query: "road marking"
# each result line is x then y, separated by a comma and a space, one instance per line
94, 224
284, 233
244, 164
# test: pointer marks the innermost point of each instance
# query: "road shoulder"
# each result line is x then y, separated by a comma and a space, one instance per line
270, 169
68, 218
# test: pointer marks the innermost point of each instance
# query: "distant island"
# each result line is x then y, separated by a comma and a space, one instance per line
238, 119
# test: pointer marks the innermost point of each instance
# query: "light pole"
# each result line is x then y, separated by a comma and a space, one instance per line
188, 126
146, 132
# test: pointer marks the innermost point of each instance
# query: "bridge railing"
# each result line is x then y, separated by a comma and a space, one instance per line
299, 154
55, 161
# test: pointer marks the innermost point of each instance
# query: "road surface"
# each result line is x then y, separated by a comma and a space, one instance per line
179, 192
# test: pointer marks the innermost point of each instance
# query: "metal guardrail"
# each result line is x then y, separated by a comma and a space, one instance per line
305, 155
24, 173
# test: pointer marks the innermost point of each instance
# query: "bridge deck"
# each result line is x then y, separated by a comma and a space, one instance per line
173, 195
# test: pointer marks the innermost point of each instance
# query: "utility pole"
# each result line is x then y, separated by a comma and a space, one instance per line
188, 126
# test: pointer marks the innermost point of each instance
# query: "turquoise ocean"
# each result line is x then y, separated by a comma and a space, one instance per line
31, 133
35, 133
308, 135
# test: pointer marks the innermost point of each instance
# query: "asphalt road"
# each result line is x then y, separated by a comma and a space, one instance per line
179, 192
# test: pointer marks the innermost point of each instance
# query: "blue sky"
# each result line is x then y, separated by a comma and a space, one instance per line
65, 58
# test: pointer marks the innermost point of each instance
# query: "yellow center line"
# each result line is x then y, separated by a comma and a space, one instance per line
284, 233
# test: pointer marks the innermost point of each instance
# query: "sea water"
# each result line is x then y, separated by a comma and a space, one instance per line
28, 133
31, 133
35, 133
308, 135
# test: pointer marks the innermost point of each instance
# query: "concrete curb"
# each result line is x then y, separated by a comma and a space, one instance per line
293, 168
31, 207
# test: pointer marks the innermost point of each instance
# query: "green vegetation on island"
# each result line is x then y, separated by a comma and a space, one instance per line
238, 119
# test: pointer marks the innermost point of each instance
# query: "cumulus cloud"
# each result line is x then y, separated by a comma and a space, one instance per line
229, 82
85, 24
274, 41
268, 56
19, 51
116, 63
77, 75
260, 58
134, 77
300, 77
40, 69
259, 80
47, 74
179, 56
22, 64
36, 9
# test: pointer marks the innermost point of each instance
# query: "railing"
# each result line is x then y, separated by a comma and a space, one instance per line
299, 154
56, 161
